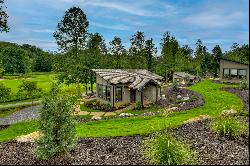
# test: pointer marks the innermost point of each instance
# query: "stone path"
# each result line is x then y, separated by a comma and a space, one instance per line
25, 114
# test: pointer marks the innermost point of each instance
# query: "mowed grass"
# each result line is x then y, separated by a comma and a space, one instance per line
43, 80
215, 102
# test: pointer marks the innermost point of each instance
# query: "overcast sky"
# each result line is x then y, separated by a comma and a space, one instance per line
220, 22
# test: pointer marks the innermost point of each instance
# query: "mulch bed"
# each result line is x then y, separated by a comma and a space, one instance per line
171, 99
89, 151
243, 94
212, 148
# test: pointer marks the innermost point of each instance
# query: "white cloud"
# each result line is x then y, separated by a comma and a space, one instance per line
114, 27
214, 19
43, 30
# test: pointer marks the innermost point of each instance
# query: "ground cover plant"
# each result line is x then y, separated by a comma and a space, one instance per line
163, 149
229, 127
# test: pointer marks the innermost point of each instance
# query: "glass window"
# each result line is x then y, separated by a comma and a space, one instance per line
108, 93
234, 73
99, 90
104, 92
118, 94
226, 73
242, 73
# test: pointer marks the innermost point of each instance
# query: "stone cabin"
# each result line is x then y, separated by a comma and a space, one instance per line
183, 77
120, 86
233, 71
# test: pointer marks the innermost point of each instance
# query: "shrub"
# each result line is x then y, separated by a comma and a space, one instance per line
106, 106
244, 84
139, 105
56, 124
28, 90
164, 150
175, 86
230, 127
4, 93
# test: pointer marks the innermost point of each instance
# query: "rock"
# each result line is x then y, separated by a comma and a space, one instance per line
186, 98
125, 115
96, 118
229, 113
198, 118
179, 96
173, 108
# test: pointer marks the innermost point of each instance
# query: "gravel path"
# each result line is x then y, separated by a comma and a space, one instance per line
89, 151
25, 114
212, 148
19, 104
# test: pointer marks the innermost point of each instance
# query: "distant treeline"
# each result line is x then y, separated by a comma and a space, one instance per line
24, 58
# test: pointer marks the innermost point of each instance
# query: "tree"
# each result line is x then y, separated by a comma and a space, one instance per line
56, 124
3, 18
43, 62
170, 47
71, 31
15, 60
150, 50
137, 51
217, 55
117, 50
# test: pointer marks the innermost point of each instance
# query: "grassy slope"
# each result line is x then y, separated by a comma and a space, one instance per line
215, 102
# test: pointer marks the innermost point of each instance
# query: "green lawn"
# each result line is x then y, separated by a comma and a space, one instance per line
215, 102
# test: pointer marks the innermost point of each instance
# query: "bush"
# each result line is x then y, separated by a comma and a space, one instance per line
175, 86
28, 90
57, 125
139, 105
229, 127
164, 150
4, 93
244, 84
97, 105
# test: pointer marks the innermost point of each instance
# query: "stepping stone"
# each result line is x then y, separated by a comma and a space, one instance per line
97, 114
29, 137
82, 113
119, 111
109, 114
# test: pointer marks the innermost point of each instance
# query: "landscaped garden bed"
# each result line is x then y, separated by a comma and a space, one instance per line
212, 148
89, 151
181, 99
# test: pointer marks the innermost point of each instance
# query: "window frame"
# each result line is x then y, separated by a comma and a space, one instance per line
121, 97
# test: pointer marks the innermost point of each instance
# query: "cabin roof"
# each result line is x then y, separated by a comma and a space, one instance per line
135, 78
183, 75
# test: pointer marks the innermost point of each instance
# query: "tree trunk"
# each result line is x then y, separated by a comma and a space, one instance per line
91, 82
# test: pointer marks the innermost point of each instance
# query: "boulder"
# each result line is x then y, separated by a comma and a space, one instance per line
125, 115
96, 118
186, 98
229, 113
178, 97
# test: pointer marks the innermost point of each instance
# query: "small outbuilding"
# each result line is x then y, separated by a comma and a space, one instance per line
127, 85
233, 71
183, 77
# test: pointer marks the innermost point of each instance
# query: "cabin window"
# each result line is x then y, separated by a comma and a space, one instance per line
226, 73
242, 73
234, 73
99, 90
108, 93
118, 93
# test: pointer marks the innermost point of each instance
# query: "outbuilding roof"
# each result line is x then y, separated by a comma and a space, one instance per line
184, 75
135, 78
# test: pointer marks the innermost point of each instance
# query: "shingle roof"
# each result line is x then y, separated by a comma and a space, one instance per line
183, 74
135, 78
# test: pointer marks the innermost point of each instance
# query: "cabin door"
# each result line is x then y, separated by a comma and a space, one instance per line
132, 95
